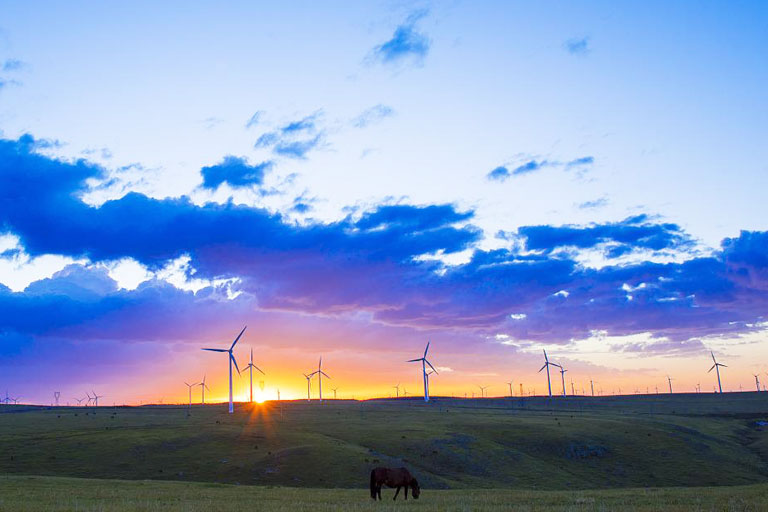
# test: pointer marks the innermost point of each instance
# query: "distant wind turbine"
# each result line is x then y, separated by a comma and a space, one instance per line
424, 364
547, 364
397, 390
250, 369
79, 400
510, 388
482, 391
309, 384
562, 376
334, 392
669, 380
757, 381
716, 367
190, 386
320, 374
592, 386
231, 361
203, 387
96, 399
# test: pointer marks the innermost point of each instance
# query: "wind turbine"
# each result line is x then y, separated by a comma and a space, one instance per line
250, 369
203, 387
320, 374
190, 386
231, 360
716, 367
482, 391
669, 380
96, 399
334, 392
510, 388
56, 395
309, 381
397, 390
424, 364
757, 381
562, 376
79, 400
547, 364
592, 387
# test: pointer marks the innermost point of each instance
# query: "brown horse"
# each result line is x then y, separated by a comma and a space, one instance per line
399, 477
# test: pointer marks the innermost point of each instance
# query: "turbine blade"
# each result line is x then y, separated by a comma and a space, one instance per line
724, 365
215, 349
430, 365
325, 374
234, 361
259, 370
540, 369
238, 338
713, 367
414, 360
426, 349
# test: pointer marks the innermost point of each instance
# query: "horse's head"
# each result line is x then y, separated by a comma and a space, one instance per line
415, 488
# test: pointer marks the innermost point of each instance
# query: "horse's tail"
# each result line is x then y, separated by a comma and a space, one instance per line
373, 483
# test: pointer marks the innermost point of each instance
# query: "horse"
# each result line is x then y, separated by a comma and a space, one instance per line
399, 477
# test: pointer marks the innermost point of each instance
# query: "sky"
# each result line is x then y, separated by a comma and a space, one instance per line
353, 179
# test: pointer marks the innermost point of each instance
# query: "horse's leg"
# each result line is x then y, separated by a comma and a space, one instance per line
396, 493
378, 490
406, 492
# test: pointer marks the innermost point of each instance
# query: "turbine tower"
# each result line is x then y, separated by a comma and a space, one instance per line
231, 361
96, 399
320, 374
397, 390
203, 387
334, 392
482, 391
547, 364
309, 384
757, 381
190, 386
424, 364
56, 395
669, 380
250, 369
562, 376
716, 367
510, 388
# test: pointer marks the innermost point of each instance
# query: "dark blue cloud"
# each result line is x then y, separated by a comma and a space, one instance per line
500, 173
631, 233
405, 43
373, 263
577, 46
585, 160
595, 203
235, 172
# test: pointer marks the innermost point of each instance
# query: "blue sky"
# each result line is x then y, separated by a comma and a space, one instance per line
602, 150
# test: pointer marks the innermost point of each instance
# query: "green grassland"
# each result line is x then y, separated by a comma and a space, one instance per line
52, 494
479, 454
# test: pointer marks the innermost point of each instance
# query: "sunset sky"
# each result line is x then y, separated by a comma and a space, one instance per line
353, 179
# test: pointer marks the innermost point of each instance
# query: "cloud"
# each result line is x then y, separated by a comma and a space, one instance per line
373, 115
503, 172
500, 173
405, 43
235, 172
631, 233
254, 119
13, 65
369, 264
294, 139
577, 46
595, 203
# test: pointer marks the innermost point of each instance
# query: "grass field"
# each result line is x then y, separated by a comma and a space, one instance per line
480, 454
51, 494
